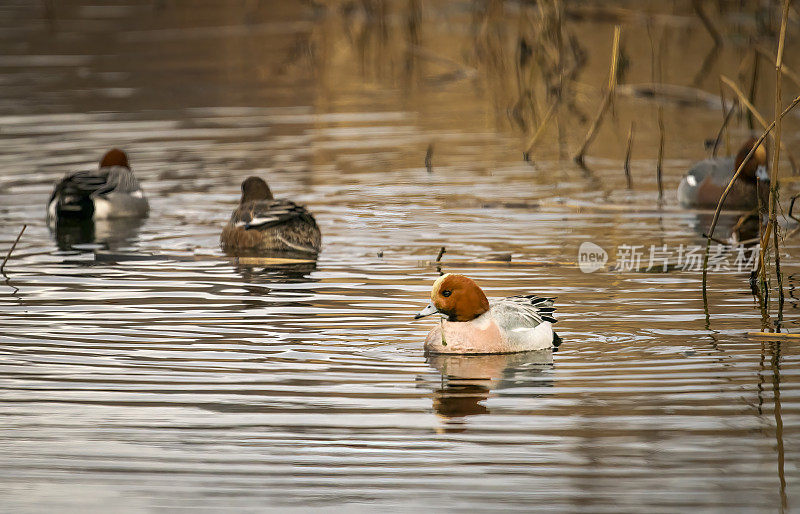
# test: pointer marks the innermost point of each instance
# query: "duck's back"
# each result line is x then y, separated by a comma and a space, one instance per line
526, 321
272, 225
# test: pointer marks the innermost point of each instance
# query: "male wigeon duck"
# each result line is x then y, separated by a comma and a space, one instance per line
111, 191
706, 180
471, 325
262, 224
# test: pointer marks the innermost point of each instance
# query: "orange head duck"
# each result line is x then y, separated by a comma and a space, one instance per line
705, 182
111, 191
471, 325
263, 225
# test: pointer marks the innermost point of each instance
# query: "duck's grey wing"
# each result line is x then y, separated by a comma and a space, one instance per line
269, 213
719, 169
526, 310
119, 179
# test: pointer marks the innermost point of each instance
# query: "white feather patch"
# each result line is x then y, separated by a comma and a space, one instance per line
102, 209
261, 221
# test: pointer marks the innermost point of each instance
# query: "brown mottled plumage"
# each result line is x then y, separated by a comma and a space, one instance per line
262, 224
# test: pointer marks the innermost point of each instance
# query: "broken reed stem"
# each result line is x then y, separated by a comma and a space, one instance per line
612, 82
429, 158
628, 149
660, 152
539, 130
772, 228
753, 85
735, 102
750, 107
725, 121
3, 266
715, 219
442, 251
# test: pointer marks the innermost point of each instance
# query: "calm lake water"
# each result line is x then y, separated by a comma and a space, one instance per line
148, 371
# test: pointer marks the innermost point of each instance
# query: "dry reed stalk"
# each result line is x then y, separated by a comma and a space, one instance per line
773, 335
772, 228
660, 152
750, 107
540, 130
612, 81
735, 102
726, 118
718, 210
753, 86
8, 255
628, 149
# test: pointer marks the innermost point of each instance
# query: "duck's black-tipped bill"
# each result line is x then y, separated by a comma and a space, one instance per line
427, 311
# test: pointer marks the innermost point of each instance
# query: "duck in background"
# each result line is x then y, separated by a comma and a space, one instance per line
111, 191
705, 182
263, 225
471, 325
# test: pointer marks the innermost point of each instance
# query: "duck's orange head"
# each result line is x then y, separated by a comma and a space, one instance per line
756, 167
255, 189
457, 297
114, 157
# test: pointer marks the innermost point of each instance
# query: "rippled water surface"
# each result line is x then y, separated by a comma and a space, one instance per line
146, 370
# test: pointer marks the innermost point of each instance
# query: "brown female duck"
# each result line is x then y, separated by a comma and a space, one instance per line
261, 224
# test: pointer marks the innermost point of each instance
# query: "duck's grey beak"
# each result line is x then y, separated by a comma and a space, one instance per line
762, 174
427, 311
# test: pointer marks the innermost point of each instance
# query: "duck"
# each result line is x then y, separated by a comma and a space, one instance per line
111, 191
262, 224
471, 325
704, 183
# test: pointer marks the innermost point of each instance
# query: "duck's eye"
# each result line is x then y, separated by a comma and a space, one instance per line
446, 293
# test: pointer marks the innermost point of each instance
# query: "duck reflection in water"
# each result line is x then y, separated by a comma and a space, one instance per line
260, 275
259, 270
468, 380
107, 234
